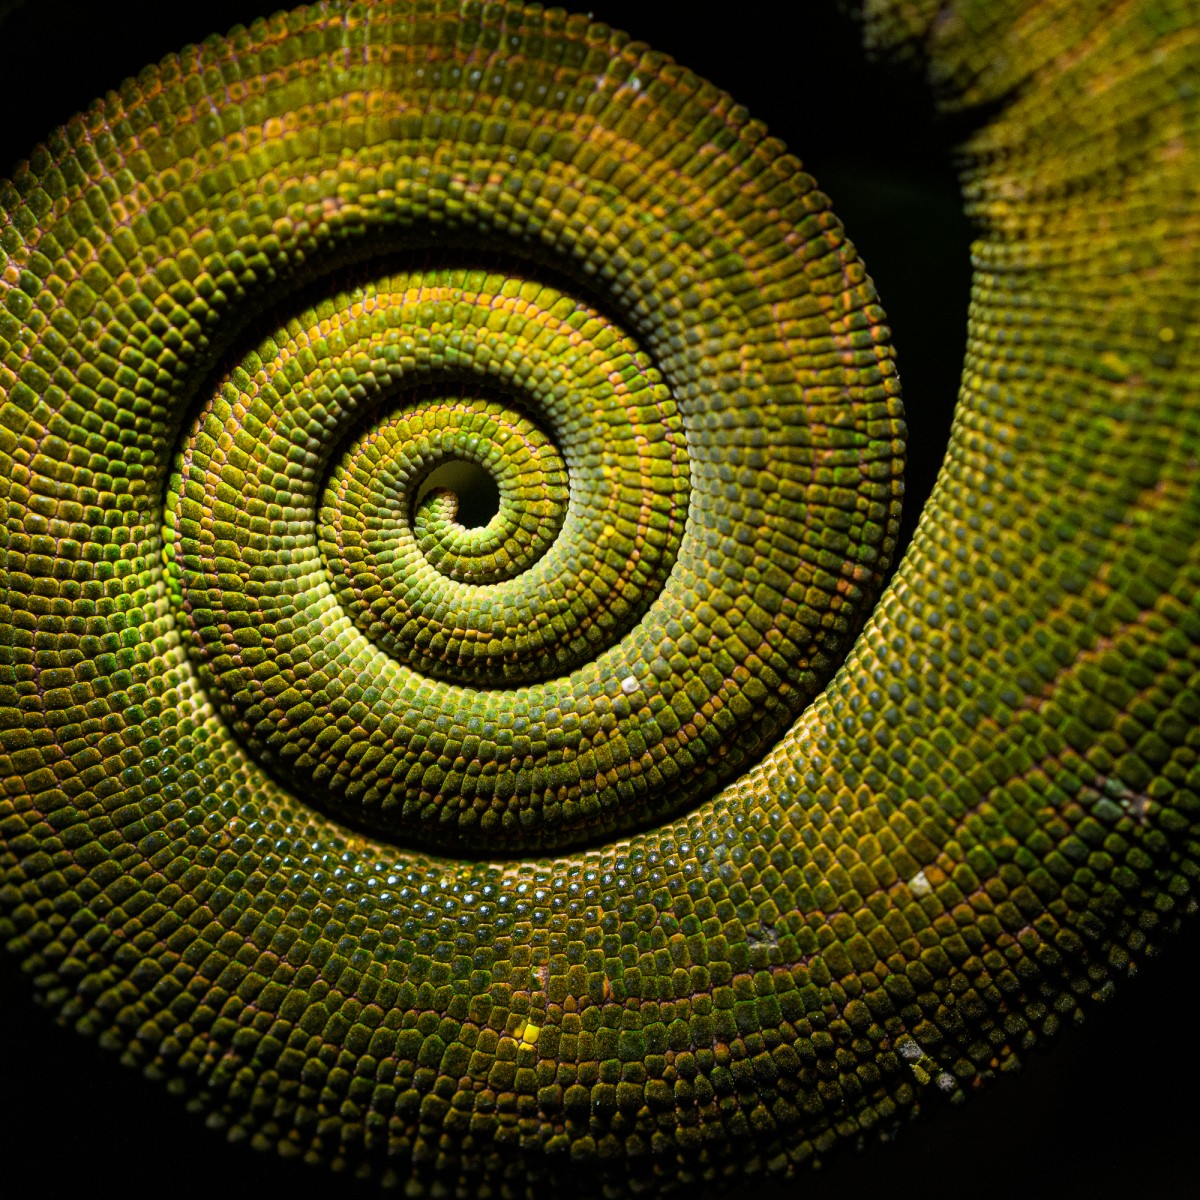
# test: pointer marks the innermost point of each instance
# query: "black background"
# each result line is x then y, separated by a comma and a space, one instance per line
1111, 1111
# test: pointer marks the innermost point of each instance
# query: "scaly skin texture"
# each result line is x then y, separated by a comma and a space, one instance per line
975, 825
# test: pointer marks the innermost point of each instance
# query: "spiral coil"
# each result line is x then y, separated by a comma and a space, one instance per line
446, 849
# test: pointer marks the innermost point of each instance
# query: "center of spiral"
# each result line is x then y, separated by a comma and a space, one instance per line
440, 593
476, 496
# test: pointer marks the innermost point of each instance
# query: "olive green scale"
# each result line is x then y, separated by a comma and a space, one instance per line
631, 830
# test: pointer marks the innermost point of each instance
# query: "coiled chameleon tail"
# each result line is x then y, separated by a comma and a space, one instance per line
289, 751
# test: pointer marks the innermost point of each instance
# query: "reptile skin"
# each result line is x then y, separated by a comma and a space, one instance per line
214, 397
